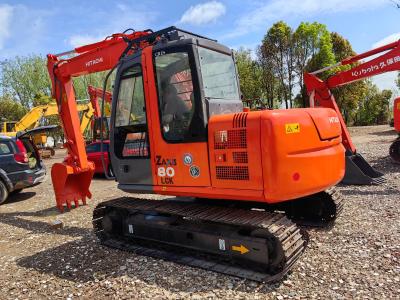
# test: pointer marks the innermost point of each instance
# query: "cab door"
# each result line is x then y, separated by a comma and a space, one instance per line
129, 142
178, 128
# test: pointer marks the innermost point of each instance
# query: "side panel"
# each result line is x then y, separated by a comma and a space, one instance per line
235, 157
396, 114
296, 160
170, 168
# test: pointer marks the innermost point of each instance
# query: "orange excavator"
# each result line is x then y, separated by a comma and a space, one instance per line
95, 94
235, 173
358, 170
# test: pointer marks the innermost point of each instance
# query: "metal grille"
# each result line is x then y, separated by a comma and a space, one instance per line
232, 173
240, 120
240, 157
230, 139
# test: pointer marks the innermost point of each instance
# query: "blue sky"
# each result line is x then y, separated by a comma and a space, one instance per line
51, 26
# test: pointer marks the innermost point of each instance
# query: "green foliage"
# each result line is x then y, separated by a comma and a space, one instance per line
374, 108
27, 80
249, 74
10, 110
313, 42
96, 79
276, 54
313, 50
350, 95
24, 78
285, 54
41, 99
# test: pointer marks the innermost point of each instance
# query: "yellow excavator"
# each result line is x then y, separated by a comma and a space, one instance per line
32, 120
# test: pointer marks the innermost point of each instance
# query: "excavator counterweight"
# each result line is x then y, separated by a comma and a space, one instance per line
178, 127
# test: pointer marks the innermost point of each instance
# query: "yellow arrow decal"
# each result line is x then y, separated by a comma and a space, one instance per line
242, 249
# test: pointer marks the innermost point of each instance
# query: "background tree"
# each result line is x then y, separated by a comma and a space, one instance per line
249, 75
350, 95
374, 107
25, 77
27, 80
313, 50
11, 110
276, 53
96, 79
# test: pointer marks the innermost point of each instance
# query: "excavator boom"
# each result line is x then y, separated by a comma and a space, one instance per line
71, 179
358, 171
95, 94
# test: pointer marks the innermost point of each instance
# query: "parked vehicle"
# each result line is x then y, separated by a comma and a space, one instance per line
94, 154
20, 163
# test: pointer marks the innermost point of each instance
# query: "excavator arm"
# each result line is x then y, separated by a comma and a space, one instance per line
320, 95
72, 178
94, 95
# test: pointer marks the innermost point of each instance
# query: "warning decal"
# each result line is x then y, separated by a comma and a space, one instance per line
292, 128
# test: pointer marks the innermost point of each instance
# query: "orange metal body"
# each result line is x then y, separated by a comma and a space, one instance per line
250, 156
265, 156
396, 114
260, 161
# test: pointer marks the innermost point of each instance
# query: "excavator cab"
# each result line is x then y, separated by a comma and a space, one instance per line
189, 78
178, 128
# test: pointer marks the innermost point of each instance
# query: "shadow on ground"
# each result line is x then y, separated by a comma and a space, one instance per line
387, 132
18, 197
386, 164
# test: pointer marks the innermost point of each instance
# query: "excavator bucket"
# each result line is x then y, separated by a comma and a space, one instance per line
360, 172
71, 185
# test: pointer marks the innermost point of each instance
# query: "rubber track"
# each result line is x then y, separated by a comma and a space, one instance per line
334, 195
277, 224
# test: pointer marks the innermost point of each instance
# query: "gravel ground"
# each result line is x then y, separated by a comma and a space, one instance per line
358, 258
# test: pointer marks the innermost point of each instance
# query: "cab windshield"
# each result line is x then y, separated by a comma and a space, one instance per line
219, 75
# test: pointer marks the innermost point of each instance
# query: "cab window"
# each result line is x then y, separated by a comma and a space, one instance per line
130, 104
4, 148
175, 94
131, 139
219, 75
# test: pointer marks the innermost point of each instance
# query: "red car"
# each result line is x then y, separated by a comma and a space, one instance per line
94, 155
